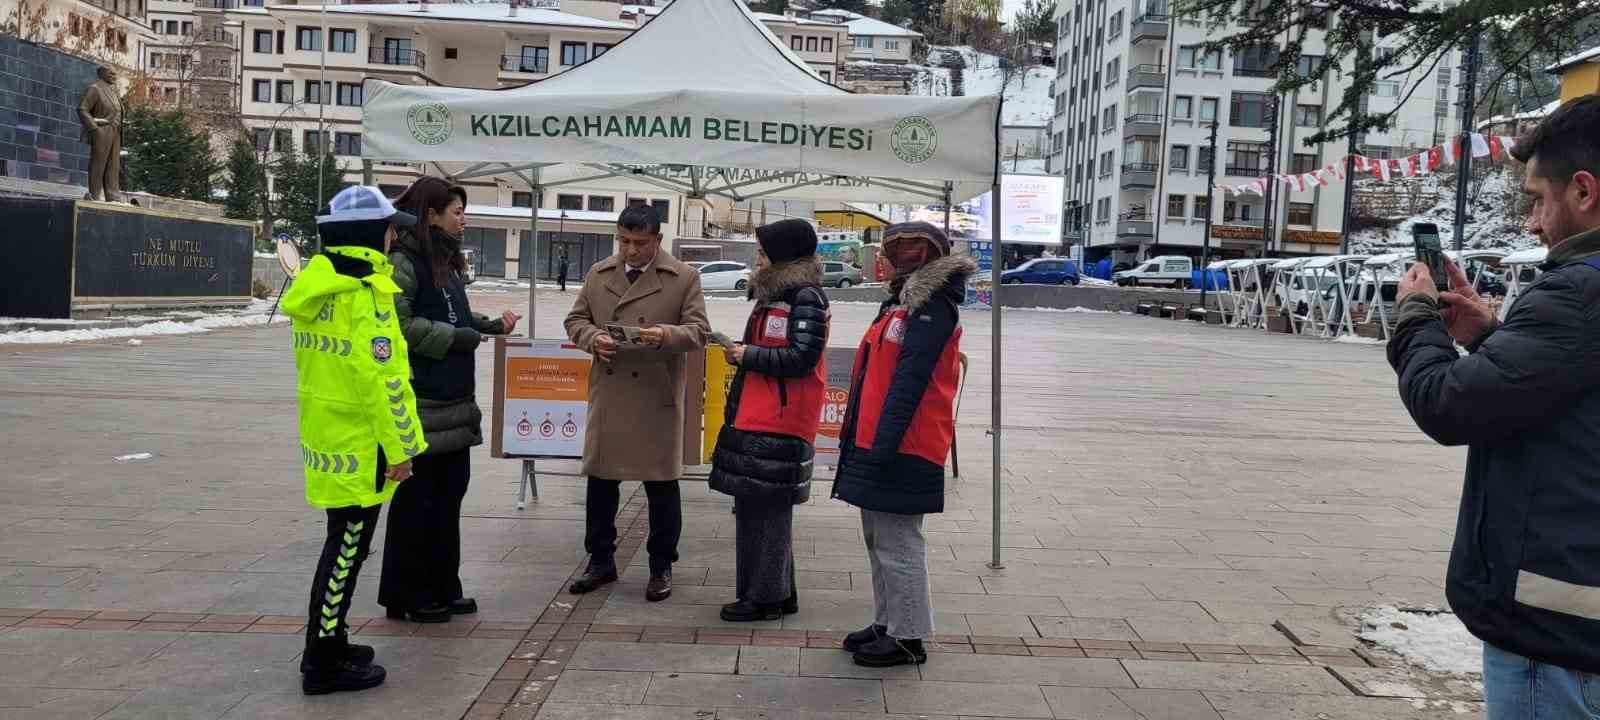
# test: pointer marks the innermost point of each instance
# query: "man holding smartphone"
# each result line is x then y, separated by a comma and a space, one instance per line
1524, 571
639, 313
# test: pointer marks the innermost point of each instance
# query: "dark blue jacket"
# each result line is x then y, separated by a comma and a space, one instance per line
1524, 571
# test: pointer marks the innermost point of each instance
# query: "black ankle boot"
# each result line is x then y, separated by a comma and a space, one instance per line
342, 676
864, 637
887, 651
357, 654
746, 611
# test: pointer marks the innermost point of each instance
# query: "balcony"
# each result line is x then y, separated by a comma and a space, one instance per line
1243, 171
1147, 76
1141, 125
524, 64
396, 57
214, 72
1139, 175
1152, 27
1255, 72
1136, 227
217, 38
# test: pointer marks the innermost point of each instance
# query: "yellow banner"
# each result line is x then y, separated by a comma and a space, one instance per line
719, 380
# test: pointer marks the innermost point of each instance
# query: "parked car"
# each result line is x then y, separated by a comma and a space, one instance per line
472, 264
1173, 270
840, 275
1042, 271
724, 275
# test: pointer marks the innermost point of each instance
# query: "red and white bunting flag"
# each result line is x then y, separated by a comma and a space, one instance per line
1413, 165
1435, 158
1314, 179
1496, 152
1480, 146
1334, 170
1361, 163
1256, 187
1452, 150
1383, 170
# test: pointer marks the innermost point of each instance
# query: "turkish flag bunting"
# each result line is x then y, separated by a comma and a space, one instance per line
1480, 146
1337, 169
1452, 151
1495, 151
1361, 163
1435, 158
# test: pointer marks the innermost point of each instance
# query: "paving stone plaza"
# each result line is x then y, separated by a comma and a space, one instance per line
1191, 514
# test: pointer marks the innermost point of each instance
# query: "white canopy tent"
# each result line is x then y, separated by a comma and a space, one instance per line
1515, 264
1286, 291
703, 101
1249, 289
1331, 290
1379, 272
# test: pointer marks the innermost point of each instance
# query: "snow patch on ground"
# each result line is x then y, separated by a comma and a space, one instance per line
1358, 340
1495, 218
1433, 641
1027, 98
186, 323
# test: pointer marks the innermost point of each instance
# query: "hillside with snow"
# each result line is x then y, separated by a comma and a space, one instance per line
1027, 95
1496, 215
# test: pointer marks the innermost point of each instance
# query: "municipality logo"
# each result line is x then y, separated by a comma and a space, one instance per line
429, 123
914, 139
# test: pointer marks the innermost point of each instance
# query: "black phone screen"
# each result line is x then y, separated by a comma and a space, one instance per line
1431, 253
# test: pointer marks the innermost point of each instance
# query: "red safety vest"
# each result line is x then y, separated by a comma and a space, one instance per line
783, 406
932, 428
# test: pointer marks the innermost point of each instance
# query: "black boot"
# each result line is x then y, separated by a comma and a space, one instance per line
593, 578
864, 637
357, 654
426, 615
746, 611
341, 676
463, 606
792, 604
887, 651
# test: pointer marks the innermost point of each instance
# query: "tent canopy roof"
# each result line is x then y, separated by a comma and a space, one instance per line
703, 89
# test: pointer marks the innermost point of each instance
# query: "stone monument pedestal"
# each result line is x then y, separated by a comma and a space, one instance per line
69, 258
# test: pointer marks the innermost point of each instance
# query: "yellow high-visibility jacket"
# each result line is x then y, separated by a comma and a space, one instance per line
354, 380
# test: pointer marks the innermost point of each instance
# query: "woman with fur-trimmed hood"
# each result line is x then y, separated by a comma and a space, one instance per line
764, 451
897, 432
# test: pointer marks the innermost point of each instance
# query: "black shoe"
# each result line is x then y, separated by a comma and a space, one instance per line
864, 637
463, 606
660, 587
353, 653
746, 611
889, 652
344, 676
426, 615
593, 579
791, 605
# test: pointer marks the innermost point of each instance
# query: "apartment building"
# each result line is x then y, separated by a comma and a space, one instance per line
112, 32
873, 40
1135, 98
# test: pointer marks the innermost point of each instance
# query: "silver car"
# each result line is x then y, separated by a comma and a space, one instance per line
840, 275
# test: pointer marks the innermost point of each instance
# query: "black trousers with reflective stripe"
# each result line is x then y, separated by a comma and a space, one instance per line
350, 531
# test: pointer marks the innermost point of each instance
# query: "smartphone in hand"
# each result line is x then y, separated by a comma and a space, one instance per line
1425, 238
623, 334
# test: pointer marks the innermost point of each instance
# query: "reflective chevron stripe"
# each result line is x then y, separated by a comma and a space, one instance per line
393, 384
403, 424
409, 437
333, 599
397, 399
413, 451
345, 350
384, 317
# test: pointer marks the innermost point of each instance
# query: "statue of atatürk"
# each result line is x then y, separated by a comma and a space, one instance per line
101, 114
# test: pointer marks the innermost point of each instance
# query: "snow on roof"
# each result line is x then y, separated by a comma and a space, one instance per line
1590, 55
865, 26
470, 12
1388, 259
770, 17
1535, 114
496, 211
1530, 256
641, 10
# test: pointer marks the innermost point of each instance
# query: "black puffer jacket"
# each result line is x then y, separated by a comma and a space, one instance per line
764, 466
1524, 570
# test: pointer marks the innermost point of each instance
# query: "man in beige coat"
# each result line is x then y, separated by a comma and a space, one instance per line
635, 426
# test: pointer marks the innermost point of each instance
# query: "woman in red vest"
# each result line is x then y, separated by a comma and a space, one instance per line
897, 432
764, 451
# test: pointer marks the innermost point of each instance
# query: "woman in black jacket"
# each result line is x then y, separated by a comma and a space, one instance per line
422, 548
764, 451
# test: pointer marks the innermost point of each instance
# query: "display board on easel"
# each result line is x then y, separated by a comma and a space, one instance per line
541, 399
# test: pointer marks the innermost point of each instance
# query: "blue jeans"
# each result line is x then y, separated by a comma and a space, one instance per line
1517, 688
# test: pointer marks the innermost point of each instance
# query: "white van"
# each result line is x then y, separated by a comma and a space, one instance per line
1171, 270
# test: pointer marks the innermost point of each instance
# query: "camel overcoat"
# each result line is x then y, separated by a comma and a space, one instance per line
635, 426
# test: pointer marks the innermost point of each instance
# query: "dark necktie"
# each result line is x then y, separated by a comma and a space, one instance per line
633, 275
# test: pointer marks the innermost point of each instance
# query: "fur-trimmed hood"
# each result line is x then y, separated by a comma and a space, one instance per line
775, 280
947, 275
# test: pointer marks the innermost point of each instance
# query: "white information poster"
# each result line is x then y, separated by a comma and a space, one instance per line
1032, 209
544, 399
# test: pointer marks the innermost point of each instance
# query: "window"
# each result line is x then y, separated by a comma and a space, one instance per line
1113, 71
1177, 206
574, 53
797, 43
1179, 155
307, 38
347, 143
451, 53
863, 42
1249, 109
1186, 56
1088, 168
1114, 27
1386, 88
1182, 107
284, 140
1303, 163
521, 198
286, 92
351, 95
172, 27
1208, 110
1308, 116
1255, 61
812, 43
1107, 160
1310, 66
316, 92
1204, 159
827, 76
1378, 152
602, 203
342, 41
1230, 211
263, 42
281, 45
262, 138
1202, 207
1108, 119
313, 141
1103, 210
599, 49
1055, 143
534, 59
1190, 58
188, 28
663, 209
1246, 158
569, 202
827, 45
891, 44
1301, 213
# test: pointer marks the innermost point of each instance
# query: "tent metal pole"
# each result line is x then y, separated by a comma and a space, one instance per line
530, 477
996, 266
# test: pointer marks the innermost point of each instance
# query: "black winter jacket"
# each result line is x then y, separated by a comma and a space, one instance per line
886, 480
1524, 571
762, 466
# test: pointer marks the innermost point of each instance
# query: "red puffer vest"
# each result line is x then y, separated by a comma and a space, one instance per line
791, 406
932, 427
